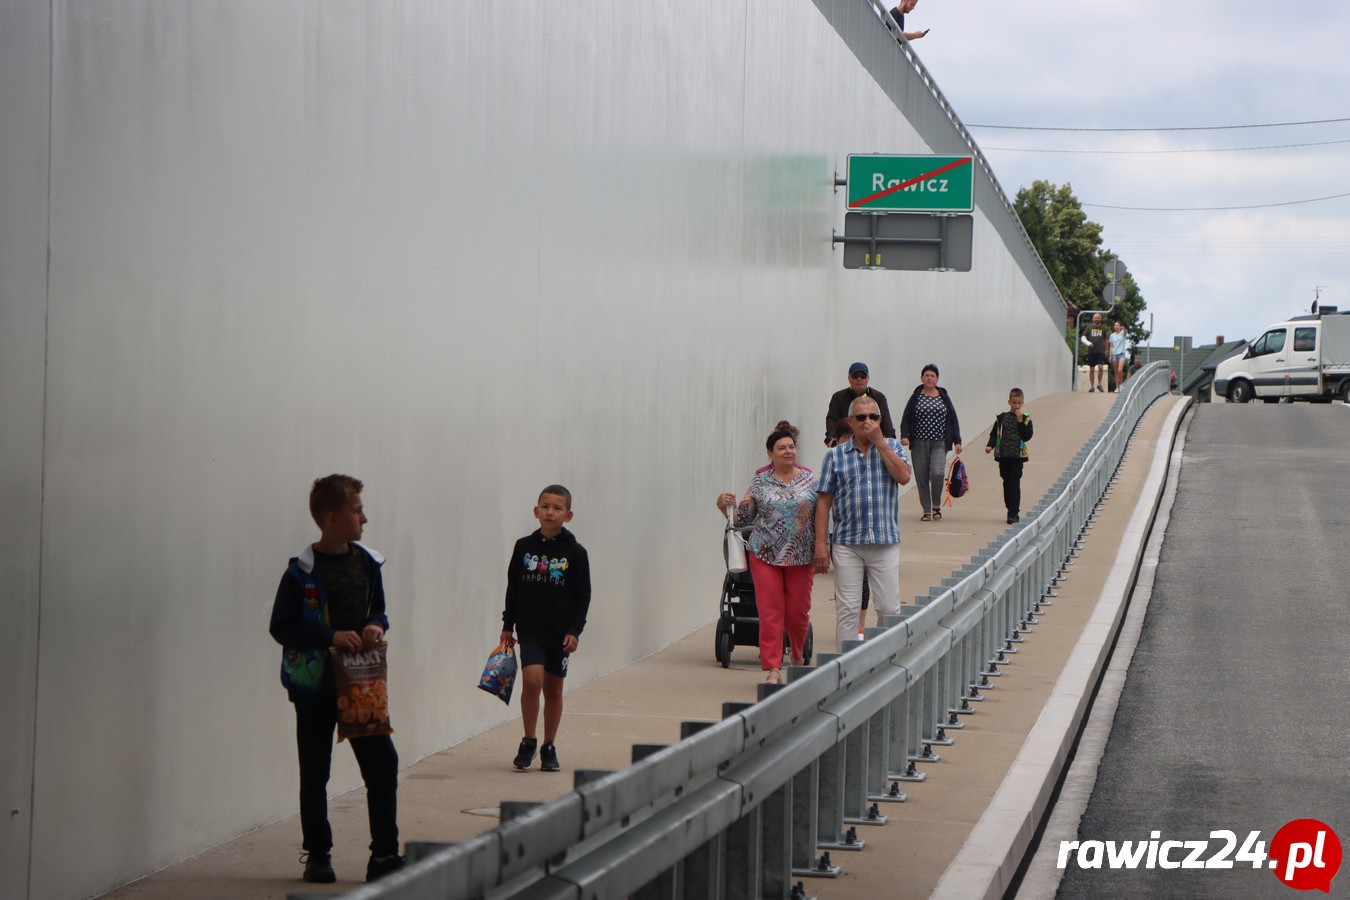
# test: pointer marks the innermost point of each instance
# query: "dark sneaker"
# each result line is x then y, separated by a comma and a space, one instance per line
318, 868
1013, 519
380, 866
525, 755
548, 758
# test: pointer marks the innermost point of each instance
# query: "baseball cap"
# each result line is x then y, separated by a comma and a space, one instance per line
858, 367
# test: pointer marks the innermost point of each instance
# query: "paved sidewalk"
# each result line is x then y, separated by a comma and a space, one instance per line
454, 794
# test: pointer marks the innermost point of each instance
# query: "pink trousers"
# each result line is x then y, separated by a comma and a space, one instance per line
783, 598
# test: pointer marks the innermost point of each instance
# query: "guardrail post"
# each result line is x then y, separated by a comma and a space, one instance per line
514, 809
830, 831
922, 699
896, 737
922, 728
743, 851
805, 811
776, 844
857, 810
878, 759
662, 887
700, 873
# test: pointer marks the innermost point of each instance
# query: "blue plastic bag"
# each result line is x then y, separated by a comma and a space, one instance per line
499, 675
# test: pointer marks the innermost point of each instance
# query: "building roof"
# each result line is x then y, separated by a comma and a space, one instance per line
1195, 367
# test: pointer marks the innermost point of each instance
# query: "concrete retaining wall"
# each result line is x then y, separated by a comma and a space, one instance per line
459, 250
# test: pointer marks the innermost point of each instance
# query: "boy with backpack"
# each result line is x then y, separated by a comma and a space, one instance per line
332, 595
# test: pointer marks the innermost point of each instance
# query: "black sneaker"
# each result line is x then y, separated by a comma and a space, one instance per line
318, 868
525, 755
380, 866
548, 758
1013, 518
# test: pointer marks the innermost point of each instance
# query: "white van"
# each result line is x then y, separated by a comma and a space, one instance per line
1305, 358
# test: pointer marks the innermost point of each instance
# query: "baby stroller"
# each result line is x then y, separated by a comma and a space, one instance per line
738, 618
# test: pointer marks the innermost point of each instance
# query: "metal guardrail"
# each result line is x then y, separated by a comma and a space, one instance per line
742, 807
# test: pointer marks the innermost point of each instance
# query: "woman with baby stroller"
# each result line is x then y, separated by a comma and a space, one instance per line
781, 506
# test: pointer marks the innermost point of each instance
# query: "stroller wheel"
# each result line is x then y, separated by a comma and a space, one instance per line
724, 643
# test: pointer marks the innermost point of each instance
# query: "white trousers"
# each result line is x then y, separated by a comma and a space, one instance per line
880, 563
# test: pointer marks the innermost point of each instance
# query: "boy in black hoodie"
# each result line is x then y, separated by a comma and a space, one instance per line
548, 591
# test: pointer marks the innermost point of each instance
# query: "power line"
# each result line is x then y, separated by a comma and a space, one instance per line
1214, 208
1178, 128
1197, 150
1137, 253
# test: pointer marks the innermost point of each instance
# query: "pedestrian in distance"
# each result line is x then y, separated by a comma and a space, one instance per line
1094, 336
1120, 352
781, 504
1008, 442
929, 429
859, 385
332, 595
548, 593
860, 483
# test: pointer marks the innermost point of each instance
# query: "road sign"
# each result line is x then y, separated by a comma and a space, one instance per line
1113, 293
1115, 270
910, 183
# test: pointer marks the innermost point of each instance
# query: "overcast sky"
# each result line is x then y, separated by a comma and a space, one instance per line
1152, 64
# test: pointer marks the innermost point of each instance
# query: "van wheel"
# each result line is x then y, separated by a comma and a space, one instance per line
1240, 392
1345, 390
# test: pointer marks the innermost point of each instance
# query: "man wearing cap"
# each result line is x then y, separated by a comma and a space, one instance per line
857, 387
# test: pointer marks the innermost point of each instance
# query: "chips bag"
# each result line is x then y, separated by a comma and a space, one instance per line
499, 675
362, 691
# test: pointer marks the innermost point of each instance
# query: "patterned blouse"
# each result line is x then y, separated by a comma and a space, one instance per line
930, 418
784, 516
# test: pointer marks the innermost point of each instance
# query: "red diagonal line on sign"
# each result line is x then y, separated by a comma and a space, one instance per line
900, 187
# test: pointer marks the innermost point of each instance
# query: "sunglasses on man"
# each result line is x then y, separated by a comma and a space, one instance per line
863, 417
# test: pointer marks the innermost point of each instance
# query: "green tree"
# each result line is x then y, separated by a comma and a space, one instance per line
1070, 244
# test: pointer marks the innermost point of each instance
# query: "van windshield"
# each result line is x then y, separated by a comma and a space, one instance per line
1270, 342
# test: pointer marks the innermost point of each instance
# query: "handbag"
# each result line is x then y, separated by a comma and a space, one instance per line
499, 675
958, 485
735, 546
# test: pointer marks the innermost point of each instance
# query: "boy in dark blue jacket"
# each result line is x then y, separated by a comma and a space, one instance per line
332, 595
548, 591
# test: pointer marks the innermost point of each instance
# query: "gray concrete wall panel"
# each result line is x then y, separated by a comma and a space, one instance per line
459, 253
24, 105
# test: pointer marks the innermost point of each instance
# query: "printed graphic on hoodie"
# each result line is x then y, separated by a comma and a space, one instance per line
542, 568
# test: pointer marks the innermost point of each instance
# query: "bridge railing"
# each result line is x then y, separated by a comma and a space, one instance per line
777, 790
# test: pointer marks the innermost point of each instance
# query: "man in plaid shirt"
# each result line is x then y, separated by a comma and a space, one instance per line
860, 481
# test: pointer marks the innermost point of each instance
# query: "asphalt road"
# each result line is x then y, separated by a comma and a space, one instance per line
1236, 711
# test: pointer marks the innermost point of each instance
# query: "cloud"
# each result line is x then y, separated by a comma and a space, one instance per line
1155, 64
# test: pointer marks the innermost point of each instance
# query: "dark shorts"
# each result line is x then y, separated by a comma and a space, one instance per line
553, 659
1096, 359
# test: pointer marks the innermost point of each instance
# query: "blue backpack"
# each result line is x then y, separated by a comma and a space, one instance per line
959, 484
